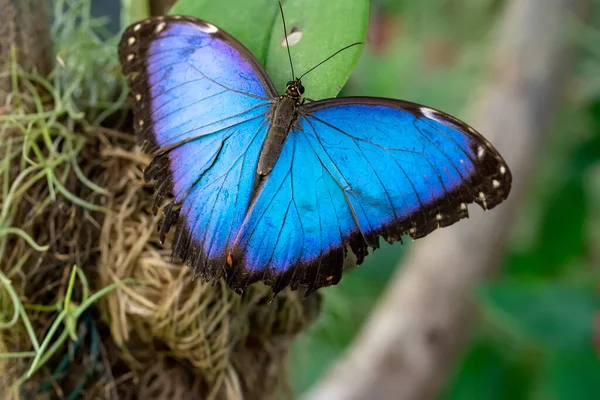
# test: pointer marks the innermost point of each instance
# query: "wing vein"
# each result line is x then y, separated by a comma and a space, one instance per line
169, 147
226, 87
346, 197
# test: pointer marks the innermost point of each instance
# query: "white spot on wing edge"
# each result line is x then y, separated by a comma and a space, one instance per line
496, 183
438, 216
431, 114
502, 169
437, 116
131, 40
138, 97
130, 57
208, 28
480, 151
160, 27
137, 27
293, 38
482, 198
463, 206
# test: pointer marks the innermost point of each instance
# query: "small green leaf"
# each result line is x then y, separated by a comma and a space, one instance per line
326, 27
250, 22
558, 316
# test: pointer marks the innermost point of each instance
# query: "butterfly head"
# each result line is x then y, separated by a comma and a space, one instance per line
294, 89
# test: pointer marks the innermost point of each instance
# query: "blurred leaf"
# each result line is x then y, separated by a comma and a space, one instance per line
250, 22
569, 376
486, 373
561, 235
557, 315
326, 27
589, 153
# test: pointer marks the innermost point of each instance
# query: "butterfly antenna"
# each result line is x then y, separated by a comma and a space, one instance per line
330, 57
286, 41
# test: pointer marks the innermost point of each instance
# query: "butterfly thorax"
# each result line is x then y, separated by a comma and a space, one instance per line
284, 114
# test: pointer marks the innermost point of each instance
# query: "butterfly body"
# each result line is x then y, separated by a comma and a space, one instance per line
284, 115
269, 188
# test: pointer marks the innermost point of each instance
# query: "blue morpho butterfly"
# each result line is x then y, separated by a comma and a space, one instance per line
268, 188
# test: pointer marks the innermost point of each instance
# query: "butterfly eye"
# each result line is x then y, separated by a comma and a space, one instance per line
301, 89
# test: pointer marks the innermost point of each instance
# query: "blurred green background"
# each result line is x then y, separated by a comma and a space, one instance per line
538, 335
536, 339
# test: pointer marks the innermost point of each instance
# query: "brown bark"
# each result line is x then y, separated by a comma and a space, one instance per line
160, 7
24, 25
413, 338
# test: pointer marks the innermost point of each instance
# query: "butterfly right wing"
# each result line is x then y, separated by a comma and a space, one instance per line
201, 100
356, 169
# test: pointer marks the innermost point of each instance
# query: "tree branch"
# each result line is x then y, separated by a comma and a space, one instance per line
25, 25
415, 335
160, 7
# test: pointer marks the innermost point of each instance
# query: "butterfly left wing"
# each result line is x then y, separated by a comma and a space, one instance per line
201, 101
354, 169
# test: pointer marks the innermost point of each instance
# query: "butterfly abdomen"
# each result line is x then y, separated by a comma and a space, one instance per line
283, 116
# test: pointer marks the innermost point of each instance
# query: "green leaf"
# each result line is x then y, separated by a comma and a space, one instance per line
250, 22
557, 316
570, 376
326, 27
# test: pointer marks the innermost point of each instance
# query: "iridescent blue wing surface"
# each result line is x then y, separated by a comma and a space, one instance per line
354, 169
201, 101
